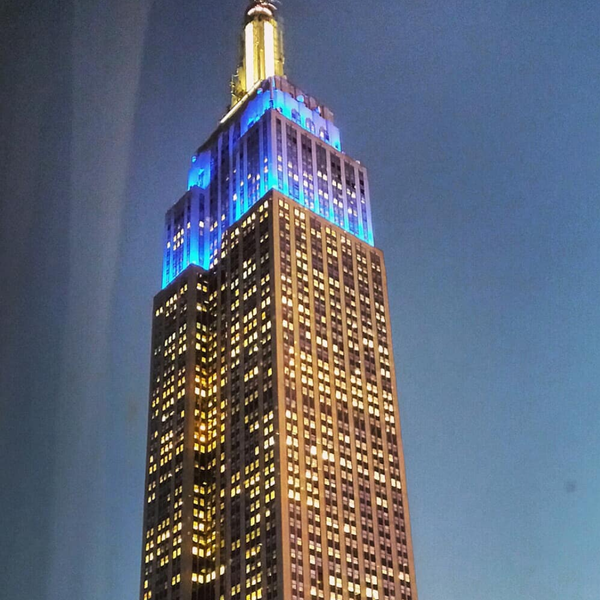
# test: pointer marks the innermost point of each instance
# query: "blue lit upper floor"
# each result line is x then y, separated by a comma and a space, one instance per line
277, 138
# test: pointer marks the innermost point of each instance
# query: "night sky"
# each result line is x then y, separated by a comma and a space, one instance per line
479, 122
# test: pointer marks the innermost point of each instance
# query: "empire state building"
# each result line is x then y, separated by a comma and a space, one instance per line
275, 468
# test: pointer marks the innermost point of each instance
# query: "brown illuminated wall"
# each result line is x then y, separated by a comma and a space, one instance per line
179, 471
275, 465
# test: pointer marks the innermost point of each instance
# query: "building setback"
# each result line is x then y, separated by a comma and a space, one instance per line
275, 467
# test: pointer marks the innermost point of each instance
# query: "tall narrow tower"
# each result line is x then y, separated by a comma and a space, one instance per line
275, 468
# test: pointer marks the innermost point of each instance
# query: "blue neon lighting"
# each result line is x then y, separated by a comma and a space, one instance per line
201, 239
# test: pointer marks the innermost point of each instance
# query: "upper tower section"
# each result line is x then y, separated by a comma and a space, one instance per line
261, 49
273, 137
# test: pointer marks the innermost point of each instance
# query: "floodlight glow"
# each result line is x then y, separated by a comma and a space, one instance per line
250, 66
269, 50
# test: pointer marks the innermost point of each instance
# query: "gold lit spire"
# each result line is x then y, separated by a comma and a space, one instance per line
262, 48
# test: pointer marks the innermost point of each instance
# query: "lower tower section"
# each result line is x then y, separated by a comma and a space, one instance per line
275, 464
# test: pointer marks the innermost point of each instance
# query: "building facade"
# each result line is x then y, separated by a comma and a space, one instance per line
275, 467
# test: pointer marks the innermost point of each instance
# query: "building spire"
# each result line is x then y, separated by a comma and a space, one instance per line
261, 49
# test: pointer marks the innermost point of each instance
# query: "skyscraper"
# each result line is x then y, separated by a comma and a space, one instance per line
275, 466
